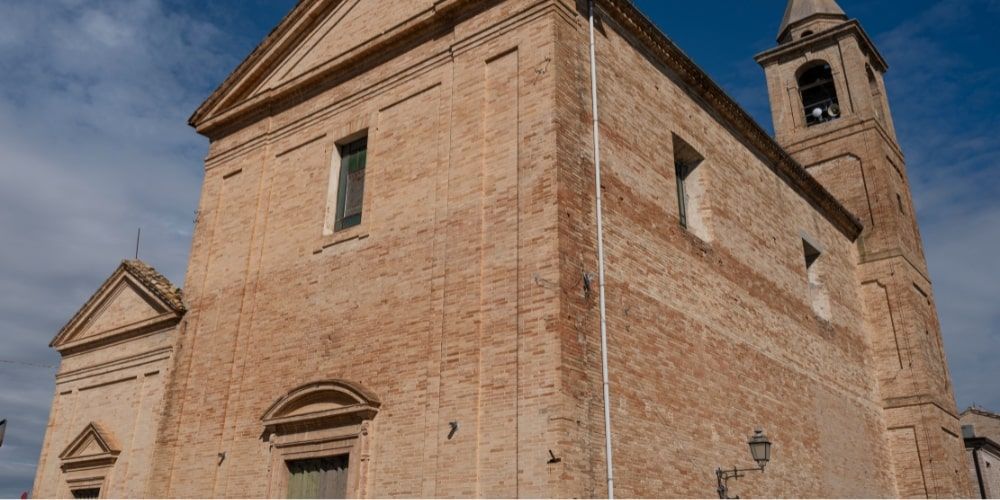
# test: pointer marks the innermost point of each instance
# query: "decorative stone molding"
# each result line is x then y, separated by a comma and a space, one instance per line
88, 459
321, 419
151, 303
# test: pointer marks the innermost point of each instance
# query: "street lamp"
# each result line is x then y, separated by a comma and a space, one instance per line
760, 450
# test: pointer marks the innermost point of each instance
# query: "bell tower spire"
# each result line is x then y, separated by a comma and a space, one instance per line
830, 111
809, 16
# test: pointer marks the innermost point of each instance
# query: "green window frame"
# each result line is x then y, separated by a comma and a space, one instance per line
351, 184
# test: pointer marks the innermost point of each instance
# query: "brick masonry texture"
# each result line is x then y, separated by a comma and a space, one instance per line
462, 297
989, 466
984, 448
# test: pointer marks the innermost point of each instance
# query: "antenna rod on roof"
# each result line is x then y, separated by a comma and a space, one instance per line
138, 234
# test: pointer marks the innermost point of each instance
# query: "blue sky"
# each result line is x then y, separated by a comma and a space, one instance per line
95, 96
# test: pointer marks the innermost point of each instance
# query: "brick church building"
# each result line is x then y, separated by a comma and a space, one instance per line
405, 279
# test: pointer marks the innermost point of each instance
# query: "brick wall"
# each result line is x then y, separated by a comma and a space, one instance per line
467, 293
989, 468
986, 425
439, 302
708, 339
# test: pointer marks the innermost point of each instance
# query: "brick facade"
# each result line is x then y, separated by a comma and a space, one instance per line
449, 342
981, 432
985, 423
983, 465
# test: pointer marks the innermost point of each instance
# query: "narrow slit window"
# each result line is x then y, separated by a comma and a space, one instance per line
87, 493
876, 92
318, 477
351, 184
818, 296
690, 182
681, 173
811, 254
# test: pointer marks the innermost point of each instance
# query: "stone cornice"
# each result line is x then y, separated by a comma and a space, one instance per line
983, 442
852, 27
117, 365
981, 412
293, 16
921, 400
851, 125
215, 113
667, 53
209, 121
156, 324
431, 60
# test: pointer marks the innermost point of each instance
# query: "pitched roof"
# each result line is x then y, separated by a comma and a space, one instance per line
157, 283
145, 274
979, 411
800, 10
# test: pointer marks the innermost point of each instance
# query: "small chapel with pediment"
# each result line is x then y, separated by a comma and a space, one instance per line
116, 358
523, 248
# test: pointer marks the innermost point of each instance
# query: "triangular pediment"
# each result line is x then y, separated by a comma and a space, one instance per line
134, 297
93, 442
126, 305
315, 36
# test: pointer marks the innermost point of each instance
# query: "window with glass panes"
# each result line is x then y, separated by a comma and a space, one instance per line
351, 184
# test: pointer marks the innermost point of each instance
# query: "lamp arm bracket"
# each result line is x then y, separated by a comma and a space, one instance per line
735, 473
724, 476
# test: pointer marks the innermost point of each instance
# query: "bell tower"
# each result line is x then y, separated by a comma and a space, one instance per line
830, 112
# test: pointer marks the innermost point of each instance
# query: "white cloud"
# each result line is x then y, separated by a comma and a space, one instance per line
94, 99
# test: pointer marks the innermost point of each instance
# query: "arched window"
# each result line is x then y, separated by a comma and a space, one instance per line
819, 94
806, 33
319, 438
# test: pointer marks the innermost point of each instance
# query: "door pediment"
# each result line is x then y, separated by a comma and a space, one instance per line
93, 446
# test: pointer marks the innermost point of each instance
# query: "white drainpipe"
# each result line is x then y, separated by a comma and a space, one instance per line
600, 258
